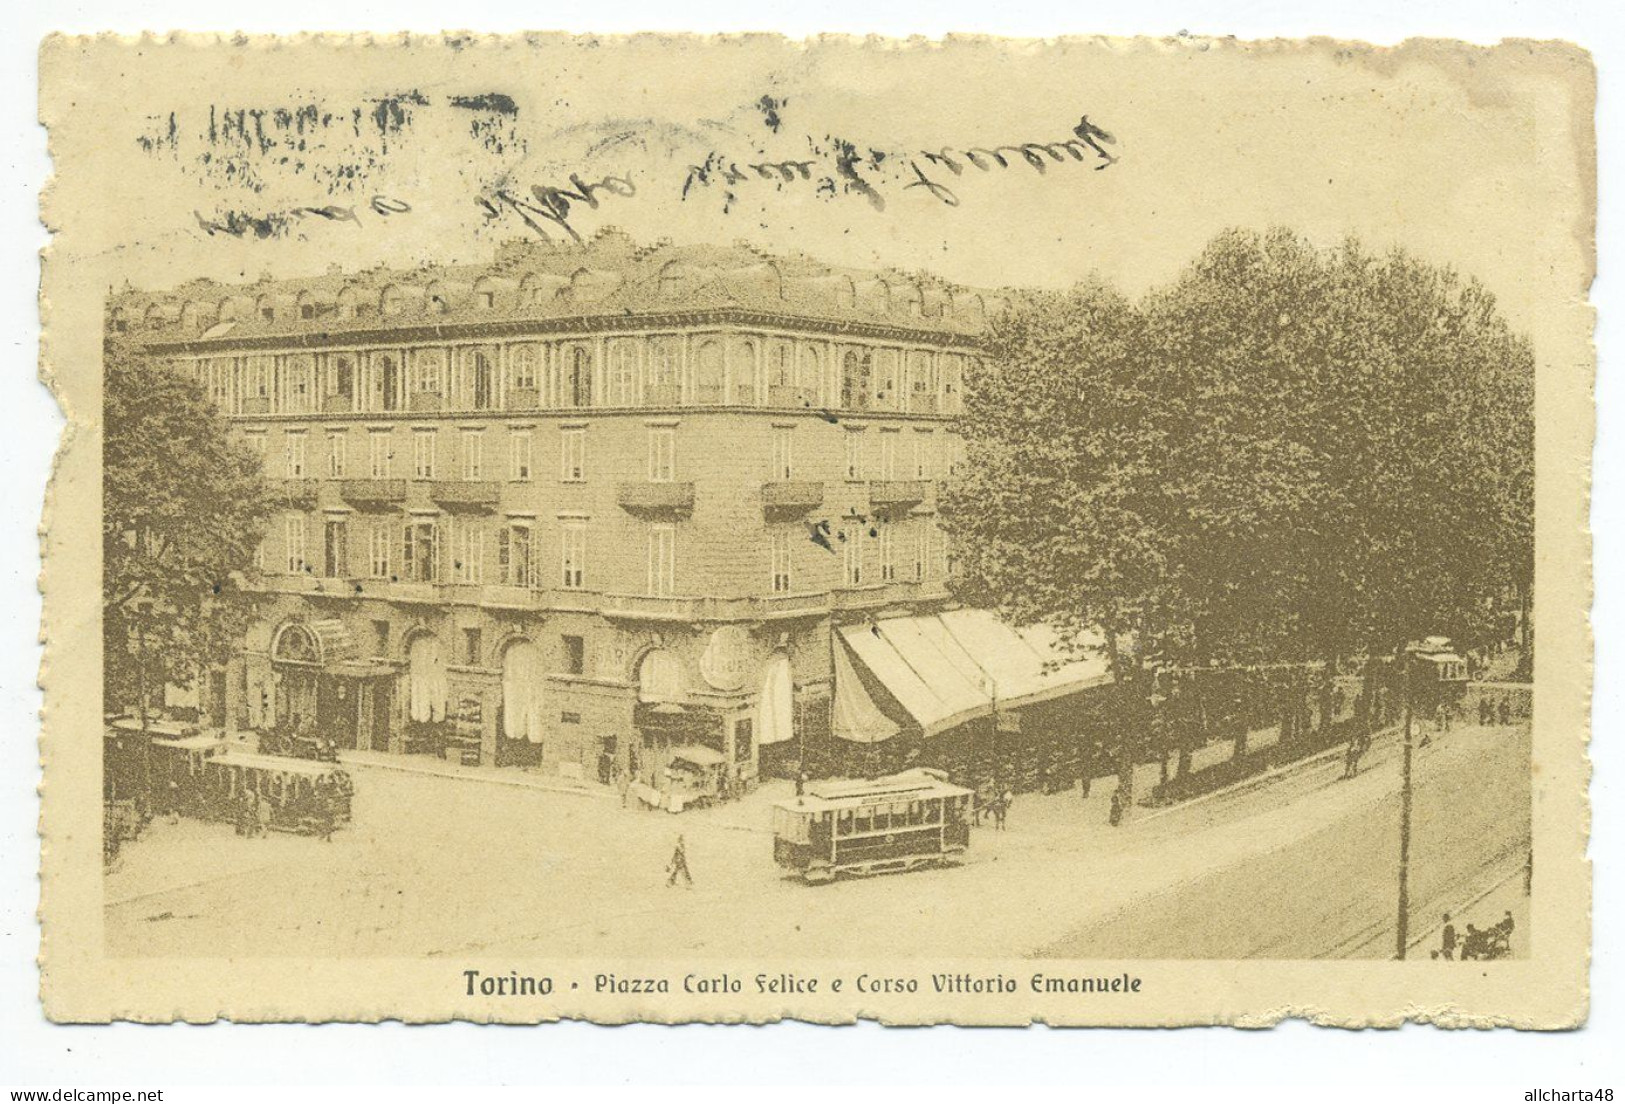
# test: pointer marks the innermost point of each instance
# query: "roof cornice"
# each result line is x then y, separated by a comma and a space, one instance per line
414, 332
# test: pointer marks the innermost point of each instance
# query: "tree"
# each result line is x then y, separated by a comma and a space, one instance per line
1289, 454
1055, 514
183, 509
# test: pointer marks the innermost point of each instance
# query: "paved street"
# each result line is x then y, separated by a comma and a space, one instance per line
1295, 864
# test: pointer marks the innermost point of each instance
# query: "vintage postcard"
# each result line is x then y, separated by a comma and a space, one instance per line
735, 529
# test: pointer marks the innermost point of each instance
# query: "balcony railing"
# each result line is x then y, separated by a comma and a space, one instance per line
897, 494
373, 492
874, 595
298, 492
788, 499
466, 494
670, 500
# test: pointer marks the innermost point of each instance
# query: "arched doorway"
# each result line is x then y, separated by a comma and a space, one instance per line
426, 694
296, 664
523, 681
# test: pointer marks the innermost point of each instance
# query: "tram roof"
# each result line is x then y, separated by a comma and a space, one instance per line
908, 786
257, 761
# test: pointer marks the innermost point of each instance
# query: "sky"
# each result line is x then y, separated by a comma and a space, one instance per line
1466, 157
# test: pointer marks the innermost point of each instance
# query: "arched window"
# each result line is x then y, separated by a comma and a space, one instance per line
662, 387
430, 365
426, 680
744, 373
296, 644
523, 360
708, 374
349, 303
783, 372
480, 378
523, 675
810, 377
623, 374
341, 376
856, 369
660, 678
392, 301
580, 382
390, 386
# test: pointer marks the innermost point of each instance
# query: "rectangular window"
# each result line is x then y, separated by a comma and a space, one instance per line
922, 550
573, 555
923, 447
854, 456
378, 553
573, 454
335, 455
783, 465
781, 561
379, 453
256, 445
293, 449
420, 554
662, 454
335, 549
888, 454
423, 453
575, 656
468, 551
293, 537
888, 568
514, 555
519, 455
852, 554
473, 442
662, 561
471, 647
380, 638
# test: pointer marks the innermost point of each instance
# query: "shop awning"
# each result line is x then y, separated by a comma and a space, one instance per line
700, 756
955, 667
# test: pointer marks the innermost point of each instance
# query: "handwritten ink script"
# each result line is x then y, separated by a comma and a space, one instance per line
839, 166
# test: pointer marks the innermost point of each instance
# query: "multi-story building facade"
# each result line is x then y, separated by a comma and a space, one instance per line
577, 507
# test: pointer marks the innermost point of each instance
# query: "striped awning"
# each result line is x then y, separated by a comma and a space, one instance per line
964, 664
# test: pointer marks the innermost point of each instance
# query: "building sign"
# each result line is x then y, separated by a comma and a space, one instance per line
726, 662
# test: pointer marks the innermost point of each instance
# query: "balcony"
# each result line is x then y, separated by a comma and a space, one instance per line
256, 404
298, 492
337, 404
425, 402
697, 610
508, 596
524, 398
871, 596
657, 500
662, 394
897, 494
789, 499
465, 494
373, 493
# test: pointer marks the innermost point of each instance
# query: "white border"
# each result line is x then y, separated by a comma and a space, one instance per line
36, 1054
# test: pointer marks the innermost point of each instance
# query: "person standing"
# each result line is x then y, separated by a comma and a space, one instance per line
1447, 940
679, 865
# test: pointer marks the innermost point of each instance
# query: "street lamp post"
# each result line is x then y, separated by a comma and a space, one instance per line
1402, 937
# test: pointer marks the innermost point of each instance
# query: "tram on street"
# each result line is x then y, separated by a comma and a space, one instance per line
887, 825
299, 795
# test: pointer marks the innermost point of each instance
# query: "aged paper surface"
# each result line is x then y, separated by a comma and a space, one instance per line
685, 529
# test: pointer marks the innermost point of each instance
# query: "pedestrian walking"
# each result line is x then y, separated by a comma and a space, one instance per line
1447, 940
801, 783
1116, 817
679, 865
625, 782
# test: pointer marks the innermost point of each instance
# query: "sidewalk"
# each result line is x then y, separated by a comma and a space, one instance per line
502, 776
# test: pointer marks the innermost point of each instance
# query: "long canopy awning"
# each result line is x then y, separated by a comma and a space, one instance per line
954, 667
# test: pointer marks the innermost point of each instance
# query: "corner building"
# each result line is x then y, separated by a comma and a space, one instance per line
578, 507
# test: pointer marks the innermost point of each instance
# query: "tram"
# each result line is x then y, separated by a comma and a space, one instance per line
887, 825
300, 795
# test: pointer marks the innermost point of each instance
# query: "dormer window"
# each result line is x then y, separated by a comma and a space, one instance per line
488, 300
307, 310
268, 313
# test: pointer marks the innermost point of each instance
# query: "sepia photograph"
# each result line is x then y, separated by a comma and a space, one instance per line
710, 529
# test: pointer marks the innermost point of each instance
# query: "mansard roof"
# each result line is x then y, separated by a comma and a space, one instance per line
530, 285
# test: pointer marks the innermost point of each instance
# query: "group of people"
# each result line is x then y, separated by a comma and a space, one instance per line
1475, 943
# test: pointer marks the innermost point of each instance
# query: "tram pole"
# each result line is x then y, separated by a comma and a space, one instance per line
1402, 929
